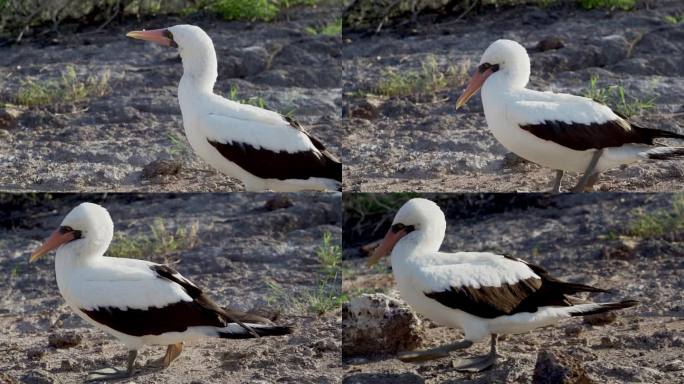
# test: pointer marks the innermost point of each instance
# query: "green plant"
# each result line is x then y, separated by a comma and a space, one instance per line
246, 10
329, 255
333, 28
299, 3
69, 89
634, 106
15, 271
322, 298
360, 206
624, 5
594, 92
160, 242
424, 82
615, 97
256, 101
178, 145
658, 223
674, 19
325, 295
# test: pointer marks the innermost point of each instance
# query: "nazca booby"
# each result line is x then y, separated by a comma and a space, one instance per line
262, 148
484, 294
136, 301
557, 130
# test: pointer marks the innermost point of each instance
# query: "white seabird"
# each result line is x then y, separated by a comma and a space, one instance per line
262, 148
556, 130
136, 301
482, 293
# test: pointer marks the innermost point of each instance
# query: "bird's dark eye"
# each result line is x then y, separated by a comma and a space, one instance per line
66, 229
169, 36
399, 227
485, 66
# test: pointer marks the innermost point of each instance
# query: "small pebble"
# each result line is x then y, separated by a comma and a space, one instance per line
674, 366
161, 167
64, 339
600, 318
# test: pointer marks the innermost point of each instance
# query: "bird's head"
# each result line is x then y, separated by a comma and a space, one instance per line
420, 218
194, 45
505, 58
86, 230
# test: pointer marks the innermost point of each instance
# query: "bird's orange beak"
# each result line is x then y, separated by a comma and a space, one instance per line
386, 246
473, 86
159, 36
55, 240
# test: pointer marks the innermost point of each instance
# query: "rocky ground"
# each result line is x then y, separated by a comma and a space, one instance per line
241, 246
399, 144
105, 143
578, 238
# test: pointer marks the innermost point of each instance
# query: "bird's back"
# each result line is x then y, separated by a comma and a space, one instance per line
532, 107
119, 283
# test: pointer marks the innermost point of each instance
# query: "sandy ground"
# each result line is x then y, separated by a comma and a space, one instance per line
104, 143
567, 235
429, 146
241, 247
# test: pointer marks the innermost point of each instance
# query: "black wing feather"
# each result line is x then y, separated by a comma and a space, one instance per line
580, 137
283, 165
526, 295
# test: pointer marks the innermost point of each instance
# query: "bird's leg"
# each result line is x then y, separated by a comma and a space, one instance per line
172, 352
556, 188
130, 366
592, 180
582, 183
433, 353
480, 363
114, 373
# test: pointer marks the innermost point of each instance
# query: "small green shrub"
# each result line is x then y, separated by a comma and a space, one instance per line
615, 97
69, 89
256, 101
179, 146
299, 3
423, 83
674, 19
246, 10
325, 295
366, 213
660, 222
161, 242
333, 28
624, 5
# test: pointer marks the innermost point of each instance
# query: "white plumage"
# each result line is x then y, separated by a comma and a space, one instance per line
482, 293
560, 131
136, 301
262, 148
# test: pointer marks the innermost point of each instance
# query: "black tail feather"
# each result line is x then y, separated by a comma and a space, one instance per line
652, 133
570, 288
666, 153
261, 330
607, 307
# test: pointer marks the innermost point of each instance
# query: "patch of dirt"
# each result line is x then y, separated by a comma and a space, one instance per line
401, 145
105, 143
567, 237
241, 247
